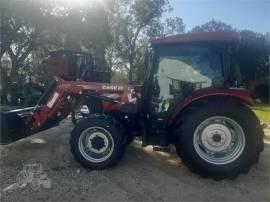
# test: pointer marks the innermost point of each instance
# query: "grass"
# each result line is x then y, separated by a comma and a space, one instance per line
263, 112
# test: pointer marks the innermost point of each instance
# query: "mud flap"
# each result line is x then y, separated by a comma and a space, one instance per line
13, 126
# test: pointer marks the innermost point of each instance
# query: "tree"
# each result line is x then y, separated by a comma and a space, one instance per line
129, 20
171, 26
174, 26
120, 28
213, 26
253, 55
31, 28
16, 38
133, 24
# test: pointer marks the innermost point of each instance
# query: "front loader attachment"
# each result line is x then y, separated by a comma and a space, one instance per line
13, 125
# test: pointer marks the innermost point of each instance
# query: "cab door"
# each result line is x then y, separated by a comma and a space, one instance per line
178, 72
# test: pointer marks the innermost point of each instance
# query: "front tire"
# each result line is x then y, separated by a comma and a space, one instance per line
219, 139
97, 142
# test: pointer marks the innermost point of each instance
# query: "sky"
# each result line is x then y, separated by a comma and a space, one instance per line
241, 14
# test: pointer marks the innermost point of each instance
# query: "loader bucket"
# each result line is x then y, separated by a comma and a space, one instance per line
13, 126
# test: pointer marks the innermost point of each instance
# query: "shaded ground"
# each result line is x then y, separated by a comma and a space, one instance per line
143, 175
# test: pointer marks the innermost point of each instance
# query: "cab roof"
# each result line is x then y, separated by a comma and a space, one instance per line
199, 37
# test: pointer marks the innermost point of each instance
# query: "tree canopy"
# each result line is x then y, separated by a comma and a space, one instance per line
32, 28
116, 32
213, 26
253, 54
133, 24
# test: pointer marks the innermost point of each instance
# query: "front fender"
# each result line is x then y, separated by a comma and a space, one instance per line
237, 93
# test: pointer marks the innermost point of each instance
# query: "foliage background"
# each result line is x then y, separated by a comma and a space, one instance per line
116, 32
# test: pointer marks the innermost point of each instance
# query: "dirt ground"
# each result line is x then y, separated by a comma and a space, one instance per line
143, 175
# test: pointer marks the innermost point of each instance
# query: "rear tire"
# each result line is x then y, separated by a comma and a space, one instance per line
219, 139
97, 142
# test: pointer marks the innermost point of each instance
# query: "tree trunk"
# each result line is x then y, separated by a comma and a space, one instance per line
130, 77
130, 73
14, 71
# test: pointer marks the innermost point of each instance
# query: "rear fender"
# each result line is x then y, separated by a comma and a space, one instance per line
239, 94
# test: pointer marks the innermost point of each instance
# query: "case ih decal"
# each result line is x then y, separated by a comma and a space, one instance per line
113, 87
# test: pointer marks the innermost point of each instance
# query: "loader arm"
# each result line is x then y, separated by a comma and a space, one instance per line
61, 100
56, 104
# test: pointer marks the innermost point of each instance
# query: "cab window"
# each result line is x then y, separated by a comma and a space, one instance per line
181, 71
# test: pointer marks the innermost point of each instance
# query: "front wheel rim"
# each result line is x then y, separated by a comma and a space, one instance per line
219, 140
96, 144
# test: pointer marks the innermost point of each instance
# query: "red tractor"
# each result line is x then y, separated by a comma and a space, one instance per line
192, 98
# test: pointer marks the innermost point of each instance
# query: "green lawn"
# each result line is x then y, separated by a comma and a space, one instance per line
263, 112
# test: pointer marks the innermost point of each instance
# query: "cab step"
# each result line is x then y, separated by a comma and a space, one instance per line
161, 149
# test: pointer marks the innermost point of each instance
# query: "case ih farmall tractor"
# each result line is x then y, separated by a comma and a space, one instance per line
191, 98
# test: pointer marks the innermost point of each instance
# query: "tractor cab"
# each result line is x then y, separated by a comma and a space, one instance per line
184, 65
74, 65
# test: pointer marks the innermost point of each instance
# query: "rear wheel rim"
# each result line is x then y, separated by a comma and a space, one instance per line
96, 144
219, 140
